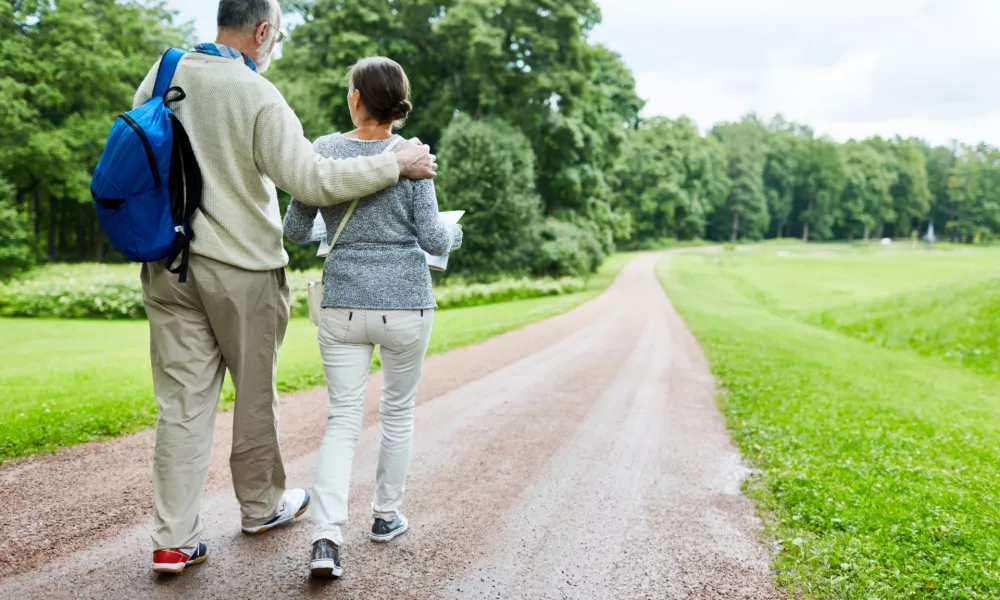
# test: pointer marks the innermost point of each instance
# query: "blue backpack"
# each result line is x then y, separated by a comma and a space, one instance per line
147, 185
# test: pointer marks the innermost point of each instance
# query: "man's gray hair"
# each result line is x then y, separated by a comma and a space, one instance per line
245, 15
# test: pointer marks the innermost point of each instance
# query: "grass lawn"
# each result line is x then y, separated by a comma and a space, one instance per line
879, 455
65, 382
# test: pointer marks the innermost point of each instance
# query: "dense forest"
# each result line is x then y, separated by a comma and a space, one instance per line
537, 128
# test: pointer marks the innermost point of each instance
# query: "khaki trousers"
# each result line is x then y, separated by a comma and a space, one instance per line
221, 318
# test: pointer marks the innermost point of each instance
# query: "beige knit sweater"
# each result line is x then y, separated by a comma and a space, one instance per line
247, 139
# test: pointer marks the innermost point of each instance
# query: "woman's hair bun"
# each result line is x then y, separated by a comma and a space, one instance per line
401, 110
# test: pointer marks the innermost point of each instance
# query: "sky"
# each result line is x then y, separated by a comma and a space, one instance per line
847, 68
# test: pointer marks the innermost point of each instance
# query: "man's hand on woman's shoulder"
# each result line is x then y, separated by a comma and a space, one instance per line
416, 161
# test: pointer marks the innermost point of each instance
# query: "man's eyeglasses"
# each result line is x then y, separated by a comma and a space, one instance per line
282, 36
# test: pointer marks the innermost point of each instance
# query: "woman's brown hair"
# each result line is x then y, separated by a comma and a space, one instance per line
384, 88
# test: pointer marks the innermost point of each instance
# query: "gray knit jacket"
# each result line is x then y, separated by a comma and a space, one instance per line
378, 262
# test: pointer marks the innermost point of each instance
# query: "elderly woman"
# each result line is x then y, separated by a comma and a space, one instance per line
377, 290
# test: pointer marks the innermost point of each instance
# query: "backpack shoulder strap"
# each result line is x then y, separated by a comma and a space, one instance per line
168, 65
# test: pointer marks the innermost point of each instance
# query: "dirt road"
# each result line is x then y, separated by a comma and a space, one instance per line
581, 457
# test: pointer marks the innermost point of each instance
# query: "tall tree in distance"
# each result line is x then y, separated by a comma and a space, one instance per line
939, 161
820, 178
779, 175
746, 205
867, 199
964, 190
670, 179
910, 192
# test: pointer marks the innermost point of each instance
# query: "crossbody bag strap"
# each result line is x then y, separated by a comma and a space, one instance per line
350, 209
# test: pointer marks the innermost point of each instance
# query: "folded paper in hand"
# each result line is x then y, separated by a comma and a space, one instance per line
437, 263
319, 235
449, 218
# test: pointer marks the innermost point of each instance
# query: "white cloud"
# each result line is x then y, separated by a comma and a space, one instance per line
202, 12
848, 68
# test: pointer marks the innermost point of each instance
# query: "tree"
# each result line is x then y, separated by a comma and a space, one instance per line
746, 205
779, 175
910, 191
965, 190
867, 198
17, 252
669, 179
88, 56
487, 169
519, 61
939, 161
974, 190
820, 178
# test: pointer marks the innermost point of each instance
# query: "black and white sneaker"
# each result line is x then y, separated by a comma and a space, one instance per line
383, 531
325, 560
294, 503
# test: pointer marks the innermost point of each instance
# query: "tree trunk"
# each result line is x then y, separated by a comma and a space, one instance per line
878, 232
951, 222
736, 225
805, 224
38, 218
53, 229
65, 227
82, 229
97, 236
868, 232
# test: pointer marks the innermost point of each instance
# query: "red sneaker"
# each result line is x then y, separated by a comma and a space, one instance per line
174, 560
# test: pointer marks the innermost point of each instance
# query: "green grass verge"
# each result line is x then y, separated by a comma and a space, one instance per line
72, 381
960, 322
878, 467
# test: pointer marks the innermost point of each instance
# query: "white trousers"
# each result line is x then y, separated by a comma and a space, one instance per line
347, 339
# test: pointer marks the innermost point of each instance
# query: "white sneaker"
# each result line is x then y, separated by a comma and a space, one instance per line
294, 503
384, 531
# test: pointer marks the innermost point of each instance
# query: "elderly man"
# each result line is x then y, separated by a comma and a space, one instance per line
232, 311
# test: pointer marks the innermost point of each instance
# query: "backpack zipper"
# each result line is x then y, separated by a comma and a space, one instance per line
145, 142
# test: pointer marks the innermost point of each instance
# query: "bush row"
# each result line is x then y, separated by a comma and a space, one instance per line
54, 293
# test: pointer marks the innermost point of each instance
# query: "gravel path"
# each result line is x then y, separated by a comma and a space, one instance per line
580, 457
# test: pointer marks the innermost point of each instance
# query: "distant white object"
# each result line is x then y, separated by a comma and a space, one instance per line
451, 217
784, 253
929, 236
886, 241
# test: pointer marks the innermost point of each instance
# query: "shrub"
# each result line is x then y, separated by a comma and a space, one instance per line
114, 292
567, 251
69, 300
478, 294
17, 251
488, 170
651, 244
